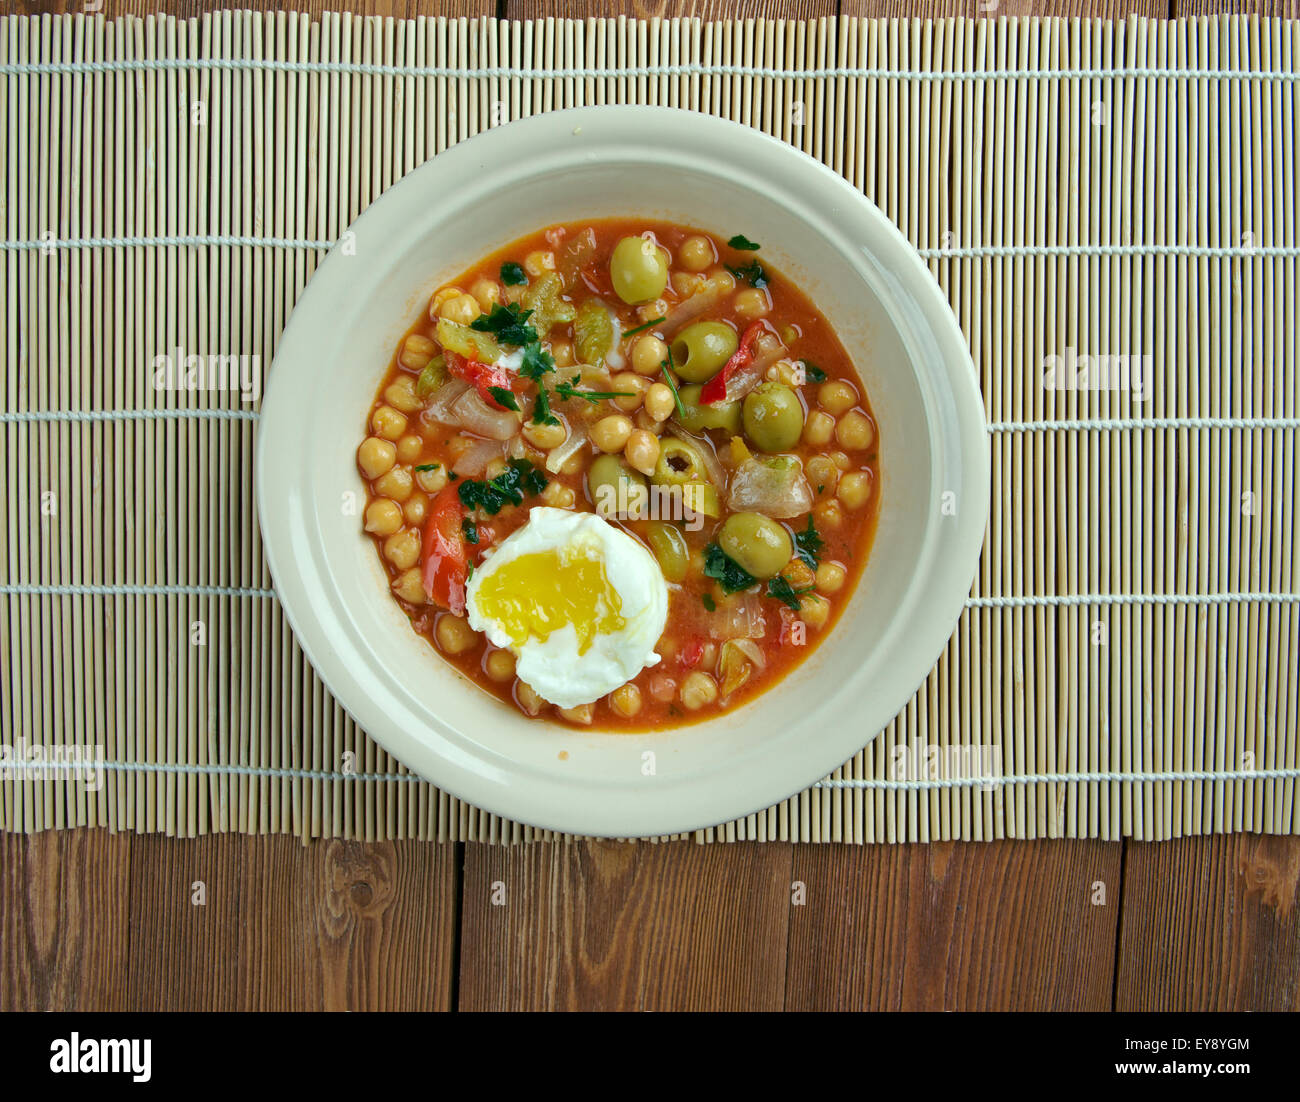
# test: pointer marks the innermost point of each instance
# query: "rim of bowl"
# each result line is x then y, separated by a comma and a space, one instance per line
341, 660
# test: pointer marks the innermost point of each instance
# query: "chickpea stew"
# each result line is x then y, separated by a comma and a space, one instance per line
622, 473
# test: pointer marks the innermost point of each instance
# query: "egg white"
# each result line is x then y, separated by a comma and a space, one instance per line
554, 668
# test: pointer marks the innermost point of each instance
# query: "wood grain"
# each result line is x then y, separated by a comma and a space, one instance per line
1005, 925
1211, 924
66, 920
620, 926
342, 925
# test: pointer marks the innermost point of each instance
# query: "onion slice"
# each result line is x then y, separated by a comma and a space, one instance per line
475, 415
773, 485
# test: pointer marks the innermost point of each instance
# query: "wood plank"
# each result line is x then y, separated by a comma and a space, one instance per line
991, 9
954, 926
185, 922
189, 9
340, 925
64, 896
707, 10
619, 926
1211, 924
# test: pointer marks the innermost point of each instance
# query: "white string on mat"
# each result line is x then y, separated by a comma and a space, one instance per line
947, 782
24, 589
1209, 252
27, 416
684, 69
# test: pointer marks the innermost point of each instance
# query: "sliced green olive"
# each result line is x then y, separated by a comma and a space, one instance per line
701, 349
669, 547
773, 417
638, 269
756, 542
696, 417
679, 463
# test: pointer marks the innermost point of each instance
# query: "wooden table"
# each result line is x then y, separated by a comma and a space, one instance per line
98, 921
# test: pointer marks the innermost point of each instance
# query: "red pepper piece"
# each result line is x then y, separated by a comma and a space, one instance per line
444, 559
715, 390
481, 376
693, 652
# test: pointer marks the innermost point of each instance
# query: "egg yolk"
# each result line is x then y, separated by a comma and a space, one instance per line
539, 593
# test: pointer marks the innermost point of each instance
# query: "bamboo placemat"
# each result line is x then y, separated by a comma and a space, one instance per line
1127, 665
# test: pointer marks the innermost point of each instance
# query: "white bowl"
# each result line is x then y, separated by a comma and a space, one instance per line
662, 164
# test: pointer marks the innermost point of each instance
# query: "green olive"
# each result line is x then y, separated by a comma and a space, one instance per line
756, 542
614, 488
638, 269
669, 546
697, 417
679, 463
773, 417
701, 349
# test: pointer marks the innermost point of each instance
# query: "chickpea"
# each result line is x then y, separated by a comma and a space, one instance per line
696, 253
822, 473
840, 460
558, 496
818, 429
441, 296
636, 385
574, 464
417, 351
402, 549
383, 517
396, 484
562, 353
528, 698
723, 280
462, 309
855, 489
582, 714
494, 467
830, 577
790, 334
648, 354
454, 634
400, 394
409, 447
611, 433
643, 420
458, 446
829, 514
784, 372
687, 283
752, 303
659, 401
432, 481
500, 665
698, 690
814, 611
388, 423
798, 573
409, 586
486, 293
626, 700
415, 509
837, 397
652, 311
376, 457
854, 431
545, 437
539, 262
642, 451
662, 687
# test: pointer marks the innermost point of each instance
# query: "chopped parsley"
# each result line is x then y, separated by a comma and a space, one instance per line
813, 372
752, 273
780, 588
725, 570
536, 363
512, 274
542, 414
508, 488
428, 466
504, 398
508, 323
740, 241
808, 544
642, 328
570, 390
708, 602
470, 530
